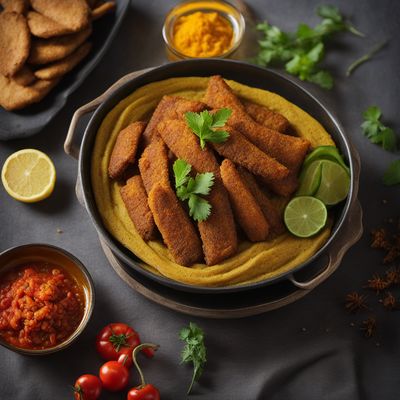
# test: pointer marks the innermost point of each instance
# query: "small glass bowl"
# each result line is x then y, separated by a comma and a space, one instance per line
226, 10
38, 252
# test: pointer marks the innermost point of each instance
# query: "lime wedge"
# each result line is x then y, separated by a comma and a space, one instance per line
326, 153
310, 179
335, 183
305, 216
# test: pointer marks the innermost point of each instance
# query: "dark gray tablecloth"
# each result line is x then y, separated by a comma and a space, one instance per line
305, 351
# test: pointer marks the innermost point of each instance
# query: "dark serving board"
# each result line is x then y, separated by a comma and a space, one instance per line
27, 122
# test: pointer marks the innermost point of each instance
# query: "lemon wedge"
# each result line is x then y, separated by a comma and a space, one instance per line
28, 175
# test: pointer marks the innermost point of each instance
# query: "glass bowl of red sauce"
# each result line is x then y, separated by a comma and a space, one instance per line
46, 299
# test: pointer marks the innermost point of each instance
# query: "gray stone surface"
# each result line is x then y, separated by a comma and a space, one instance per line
269, 356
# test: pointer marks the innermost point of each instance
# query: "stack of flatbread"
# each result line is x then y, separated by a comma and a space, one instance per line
41, 41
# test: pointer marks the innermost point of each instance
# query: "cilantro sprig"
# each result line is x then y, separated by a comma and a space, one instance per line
194, 350
392, 174
302, 52
190, 189
376, 131
204, 125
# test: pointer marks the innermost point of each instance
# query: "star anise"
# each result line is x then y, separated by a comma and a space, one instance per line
390, 302
369, 327
393, 276
379, 239
377, 283
355, 302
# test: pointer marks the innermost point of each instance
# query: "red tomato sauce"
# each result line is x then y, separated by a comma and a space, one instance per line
40, 306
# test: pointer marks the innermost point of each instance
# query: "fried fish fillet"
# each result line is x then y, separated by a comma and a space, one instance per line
177, 231
218, 232
24, 77
153, 164
288, 150
15, 97
18, 6
135, 199
45, 51
170, 107
240, 150
44, 27
267, 117
61, 67
270, 212
102, 9
245, 207
15, 42
73, 14
125, 148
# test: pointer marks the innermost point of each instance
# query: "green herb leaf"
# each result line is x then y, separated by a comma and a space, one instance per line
375, 131
188, 188
302, 52
392, 174
194, 350
204, 125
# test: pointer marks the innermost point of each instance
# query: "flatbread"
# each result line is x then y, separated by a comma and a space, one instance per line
45, 27
61, 67
15, 42
45, 51
15, 97
73, 14
24, 77
103, 9
18, 6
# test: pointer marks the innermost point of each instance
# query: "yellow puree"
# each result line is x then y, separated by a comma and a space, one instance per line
202, 34
254, 261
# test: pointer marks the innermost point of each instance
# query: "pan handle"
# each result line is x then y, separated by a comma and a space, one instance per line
351, 234
70, 145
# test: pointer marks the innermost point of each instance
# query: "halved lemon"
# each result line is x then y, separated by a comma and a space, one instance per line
28, 175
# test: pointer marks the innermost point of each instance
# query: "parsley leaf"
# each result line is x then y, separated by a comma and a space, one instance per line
375, 131
188, 188
194, 350
204, 125
392, 174
301, 52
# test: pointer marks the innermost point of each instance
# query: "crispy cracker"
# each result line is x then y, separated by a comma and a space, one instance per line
15, 97
73, 14
60, 68
24, 77
45, 27
103, 9
15, 42
18, 6
45, 51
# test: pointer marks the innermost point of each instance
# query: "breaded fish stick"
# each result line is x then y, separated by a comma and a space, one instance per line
218, 231
170, 107
135, 200
270, 212
267, 117
125, 148
241, 151
153, 164
288, 150
245, 207
177, 230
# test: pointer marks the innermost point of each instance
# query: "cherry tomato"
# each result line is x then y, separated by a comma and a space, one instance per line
125, 358
87, 387
115, 339
114, 376
148, 392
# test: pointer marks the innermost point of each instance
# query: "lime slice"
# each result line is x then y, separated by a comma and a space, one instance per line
335, 183
310, 179
305, 216
326, 153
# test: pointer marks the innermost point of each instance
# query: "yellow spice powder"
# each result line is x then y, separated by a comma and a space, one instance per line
202, 34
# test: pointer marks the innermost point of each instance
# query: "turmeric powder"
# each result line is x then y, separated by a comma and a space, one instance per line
202, 34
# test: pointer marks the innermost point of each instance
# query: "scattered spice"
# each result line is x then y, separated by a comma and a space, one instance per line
377, 283
389, 302
368, 326
355, 302
202, 34
393, 276
381, 240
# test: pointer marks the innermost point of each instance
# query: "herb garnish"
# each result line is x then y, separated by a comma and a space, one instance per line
188, 188
302, 52
392, 174
204, 125
194, 350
